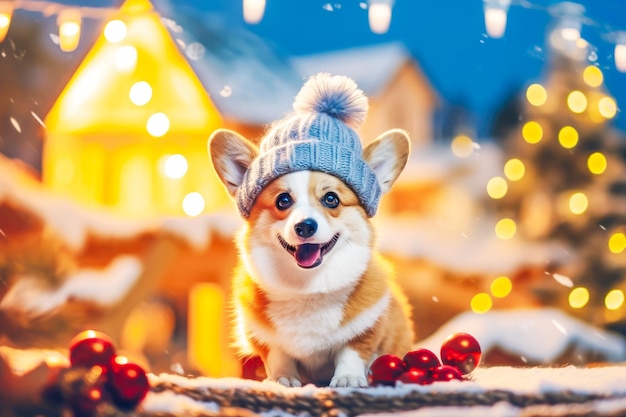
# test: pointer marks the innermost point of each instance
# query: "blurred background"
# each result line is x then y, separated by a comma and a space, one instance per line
513, 201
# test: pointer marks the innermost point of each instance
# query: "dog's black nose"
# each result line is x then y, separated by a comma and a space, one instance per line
306, 228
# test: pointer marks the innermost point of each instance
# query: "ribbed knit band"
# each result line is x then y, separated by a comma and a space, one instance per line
314, 155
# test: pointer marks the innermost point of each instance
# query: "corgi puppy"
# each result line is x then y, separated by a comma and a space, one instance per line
312, 296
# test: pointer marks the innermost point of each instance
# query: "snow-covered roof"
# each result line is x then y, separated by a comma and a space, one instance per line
372, 66
251, 81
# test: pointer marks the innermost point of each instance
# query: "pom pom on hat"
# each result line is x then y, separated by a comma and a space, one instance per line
335, 95
319, 135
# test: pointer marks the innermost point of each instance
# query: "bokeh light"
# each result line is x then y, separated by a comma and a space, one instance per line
115, 31
578, 297
536, 95
462, 146
497, 187
578, 203
532, 132
501, 287
593, 76
596, 162
481, 303
617, 242
175, 166
140, 93
126, 58
514, 169
614, 299
577, 101
505, 229
568, 137
158, 124
607, 107
193, 204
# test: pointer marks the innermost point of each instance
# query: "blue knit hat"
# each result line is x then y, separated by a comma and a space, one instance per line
319, 135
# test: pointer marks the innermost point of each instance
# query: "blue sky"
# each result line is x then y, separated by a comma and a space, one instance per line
447, 38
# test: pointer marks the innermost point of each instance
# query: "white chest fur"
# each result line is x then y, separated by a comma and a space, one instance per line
314, 325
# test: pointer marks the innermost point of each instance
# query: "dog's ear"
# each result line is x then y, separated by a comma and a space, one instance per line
387, 156
231, 155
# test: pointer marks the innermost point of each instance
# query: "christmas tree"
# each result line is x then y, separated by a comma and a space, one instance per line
564, 177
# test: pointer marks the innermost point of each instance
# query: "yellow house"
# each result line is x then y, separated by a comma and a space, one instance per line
130, 129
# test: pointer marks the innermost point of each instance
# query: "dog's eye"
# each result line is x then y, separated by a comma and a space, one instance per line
330, 200
284, 201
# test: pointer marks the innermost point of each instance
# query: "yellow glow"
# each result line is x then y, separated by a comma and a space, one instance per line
505, 229
126, 58
69, 21
596, 163
104, 144
536, 95
593, 76
158, 124
578, 203
532, 132
568, 137
462, 146
577, 101
617, 242
501, 287
6, 13
115, 31
175, 166
578, 297
193, 204
497, 187
481, 303
614, 299
514, 169
140, 93
607, 107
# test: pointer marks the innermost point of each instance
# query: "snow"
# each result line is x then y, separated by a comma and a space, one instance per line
540, 335
102, 287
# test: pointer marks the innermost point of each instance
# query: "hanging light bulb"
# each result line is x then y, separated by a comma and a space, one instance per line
495, 16
253, 11
569, 20
620, 51
69, 22
379, 15
6, 13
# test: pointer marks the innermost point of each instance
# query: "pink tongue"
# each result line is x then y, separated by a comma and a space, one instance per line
308, 254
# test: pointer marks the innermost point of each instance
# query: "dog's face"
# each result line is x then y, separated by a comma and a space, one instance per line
307, 232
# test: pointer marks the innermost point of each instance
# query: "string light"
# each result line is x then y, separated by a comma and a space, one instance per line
193, 204
140, 93
462, 146
505, 229
379, 15
481, 303
115, 31
6, 14
568, 137
514, 169
592, 76
614, 299
175, 166
497, 188
158, 125
620, 51
596, 162
501, 287
253, 11
69, 21
607, 107
532, 132
617, 243
536, 95
578, 297
577, 101
578, 203
495, 16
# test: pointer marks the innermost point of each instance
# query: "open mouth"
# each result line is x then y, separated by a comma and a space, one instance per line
309, 255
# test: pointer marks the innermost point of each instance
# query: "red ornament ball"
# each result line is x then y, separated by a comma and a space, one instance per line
91, 348
416, 376
462, 351
385, 370
128, 383
421, 359
445, 373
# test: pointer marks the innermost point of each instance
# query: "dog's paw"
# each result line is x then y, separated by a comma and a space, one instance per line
355, 381
287, 381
